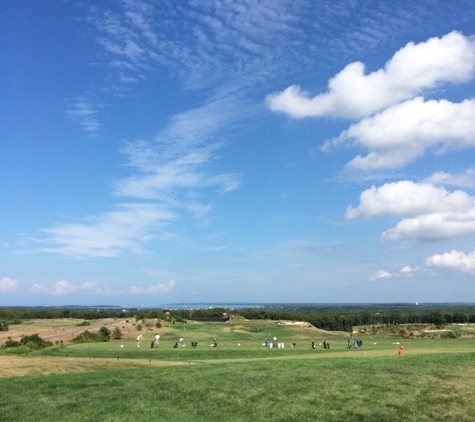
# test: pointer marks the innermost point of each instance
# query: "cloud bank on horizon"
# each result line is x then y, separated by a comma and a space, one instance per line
210, 200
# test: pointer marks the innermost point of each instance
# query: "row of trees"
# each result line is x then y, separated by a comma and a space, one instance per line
327, 317
104, 334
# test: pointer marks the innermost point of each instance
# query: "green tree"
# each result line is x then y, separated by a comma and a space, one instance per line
117, 334
105, 333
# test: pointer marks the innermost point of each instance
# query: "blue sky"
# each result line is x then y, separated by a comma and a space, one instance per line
157, 152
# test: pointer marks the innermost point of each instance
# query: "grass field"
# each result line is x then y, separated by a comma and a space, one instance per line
433, 381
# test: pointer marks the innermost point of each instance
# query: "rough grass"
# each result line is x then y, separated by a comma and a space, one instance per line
433, 381
412, 388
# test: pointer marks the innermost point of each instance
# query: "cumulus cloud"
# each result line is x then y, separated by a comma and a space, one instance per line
162, 288
60, 288
406, 198
431, 212
463, 180
8, 285
400, 134
414, 68
453, 260
434, 226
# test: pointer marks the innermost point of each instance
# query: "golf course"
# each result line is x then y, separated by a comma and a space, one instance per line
239, 379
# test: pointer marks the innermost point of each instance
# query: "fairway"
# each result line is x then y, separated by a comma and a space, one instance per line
240, 379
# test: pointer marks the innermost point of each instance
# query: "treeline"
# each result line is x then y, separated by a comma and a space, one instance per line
339, 318
326, 317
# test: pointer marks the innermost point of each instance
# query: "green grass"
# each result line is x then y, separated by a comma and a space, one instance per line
433, 381
412, 388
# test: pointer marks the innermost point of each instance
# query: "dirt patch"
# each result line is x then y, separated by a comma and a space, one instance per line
57, 330
64, 330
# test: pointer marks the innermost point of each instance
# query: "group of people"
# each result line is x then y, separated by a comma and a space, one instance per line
355, 344
326, 344
274, 343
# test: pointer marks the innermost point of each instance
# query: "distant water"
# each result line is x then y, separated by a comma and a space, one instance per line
206, 305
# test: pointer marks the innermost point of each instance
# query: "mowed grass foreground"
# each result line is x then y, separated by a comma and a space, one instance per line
433, 381
418, 388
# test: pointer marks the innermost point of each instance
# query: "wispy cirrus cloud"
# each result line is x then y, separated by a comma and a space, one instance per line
228, 52
110, 234
84, 111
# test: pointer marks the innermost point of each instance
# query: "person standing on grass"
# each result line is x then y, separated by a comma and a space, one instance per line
157, 340
138, 340
400, 352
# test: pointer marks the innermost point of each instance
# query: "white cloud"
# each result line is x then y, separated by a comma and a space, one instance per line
404, 272
163, 288
109, 234
406, 198
408, 270
400, 134
464, 180
94, 287
60, 288
434, 226
380, 274
7, 285
414, 68
455, 260
63, 288
83, 111
431, 212
39, 289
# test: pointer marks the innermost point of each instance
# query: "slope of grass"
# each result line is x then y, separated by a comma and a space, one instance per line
410, 388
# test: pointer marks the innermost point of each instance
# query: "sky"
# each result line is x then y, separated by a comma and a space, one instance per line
222, 151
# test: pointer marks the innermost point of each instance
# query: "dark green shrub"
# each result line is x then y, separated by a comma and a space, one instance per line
25, 345
117, 334
447, 334
86, 337
105, 333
